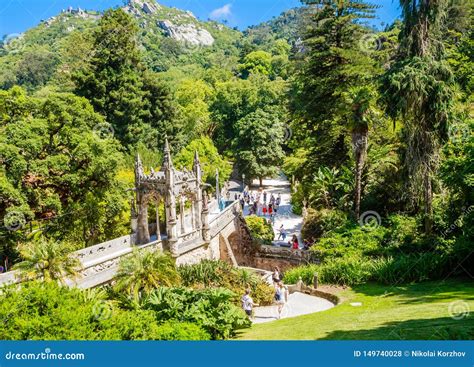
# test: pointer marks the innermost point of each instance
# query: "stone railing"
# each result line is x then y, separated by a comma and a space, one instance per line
189, 241
221, 221
303, 288
99, 263
298, 256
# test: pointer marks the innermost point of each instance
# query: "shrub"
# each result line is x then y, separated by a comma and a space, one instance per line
346, 271
319, 222
352, 270
411, 268
261, 230
47, 311
207, 273
211, 309
142, 325
353, 241
145, 270
210, 273
305, 272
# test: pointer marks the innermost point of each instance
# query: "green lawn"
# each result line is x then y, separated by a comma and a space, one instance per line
414, 311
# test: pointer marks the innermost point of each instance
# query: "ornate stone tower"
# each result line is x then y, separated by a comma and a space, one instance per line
168, 185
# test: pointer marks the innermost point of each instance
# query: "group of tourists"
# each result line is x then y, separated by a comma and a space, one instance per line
258, 205
280, 296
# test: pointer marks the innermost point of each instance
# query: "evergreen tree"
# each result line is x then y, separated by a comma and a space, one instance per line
336, 59
419, 88
118, 85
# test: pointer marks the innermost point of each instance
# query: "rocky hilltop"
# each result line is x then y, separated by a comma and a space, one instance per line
177, 24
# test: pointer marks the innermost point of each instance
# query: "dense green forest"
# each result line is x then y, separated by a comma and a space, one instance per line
374, 128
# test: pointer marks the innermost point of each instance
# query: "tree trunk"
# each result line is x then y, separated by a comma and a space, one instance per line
261, 181
359, 141
428, 203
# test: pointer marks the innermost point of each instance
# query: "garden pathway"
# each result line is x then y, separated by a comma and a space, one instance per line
291, 222
298, 304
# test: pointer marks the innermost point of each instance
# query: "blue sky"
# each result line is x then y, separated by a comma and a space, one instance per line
17, 16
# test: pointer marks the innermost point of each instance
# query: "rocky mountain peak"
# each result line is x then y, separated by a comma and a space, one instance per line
138, 7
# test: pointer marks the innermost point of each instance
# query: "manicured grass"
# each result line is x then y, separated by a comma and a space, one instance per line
409, 312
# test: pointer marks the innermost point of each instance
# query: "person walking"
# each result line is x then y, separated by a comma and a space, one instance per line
281, 297
264, 196
265, 210
282, 234
248, 304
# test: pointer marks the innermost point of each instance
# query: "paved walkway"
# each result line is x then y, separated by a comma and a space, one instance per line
298, 304
291, 222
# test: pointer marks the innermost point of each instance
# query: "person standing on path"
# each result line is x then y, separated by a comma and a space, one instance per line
264, 196
282, 234
248, 304
281, 297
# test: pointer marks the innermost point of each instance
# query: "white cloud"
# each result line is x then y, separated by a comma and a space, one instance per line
221, 13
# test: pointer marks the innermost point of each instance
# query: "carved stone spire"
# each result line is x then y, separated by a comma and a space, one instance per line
167, 162
196, 159
139, 173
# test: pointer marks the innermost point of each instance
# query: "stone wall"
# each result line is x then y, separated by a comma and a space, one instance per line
209, 251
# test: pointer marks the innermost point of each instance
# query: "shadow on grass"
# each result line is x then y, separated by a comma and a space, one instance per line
425, 292
444, 328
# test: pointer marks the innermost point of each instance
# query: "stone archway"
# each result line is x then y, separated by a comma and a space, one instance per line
170, 187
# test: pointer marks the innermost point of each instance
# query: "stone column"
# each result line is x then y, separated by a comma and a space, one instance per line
143, 234
197, 203
206, 236
158, 231
181, 214
171, 224
133, 216
193, 217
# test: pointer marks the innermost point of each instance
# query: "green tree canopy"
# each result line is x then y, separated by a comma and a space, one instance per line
210, 160
116, 82
56, 152
258, 144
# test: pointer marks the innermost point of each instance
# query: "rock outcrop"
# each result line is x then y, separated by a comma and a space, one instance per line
187, 33
139, 7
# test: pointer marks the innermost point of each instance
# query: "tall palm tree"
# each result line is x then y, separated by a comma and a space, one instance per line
419, 88
361, 102
48, 260
145, 270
